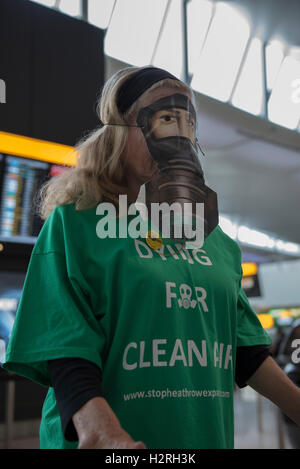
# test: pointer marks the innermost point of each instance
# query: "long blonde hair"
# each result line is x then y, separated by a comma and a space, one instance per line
99, 172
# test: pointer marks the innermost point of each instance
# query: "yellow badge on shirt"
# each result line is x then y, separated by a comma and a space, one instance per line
153, 239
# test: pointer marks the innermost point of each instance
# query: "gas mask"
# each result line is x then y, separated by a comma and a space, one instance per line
188, 208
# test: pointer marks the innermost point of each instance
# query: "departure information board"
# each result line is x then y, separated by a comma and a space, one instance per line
20, 181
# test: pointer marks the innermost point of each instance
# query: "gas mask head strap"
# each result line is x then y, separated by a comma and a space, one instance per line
137, 84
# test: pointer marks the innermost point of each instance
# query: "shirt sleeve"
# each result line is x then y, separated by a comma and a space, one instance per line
75, 382
248, 360
249, 329
54, 317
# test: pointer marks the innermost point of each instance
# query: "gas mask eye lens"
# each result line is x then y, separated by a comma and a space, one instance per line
166, 116
173, 122
164, 123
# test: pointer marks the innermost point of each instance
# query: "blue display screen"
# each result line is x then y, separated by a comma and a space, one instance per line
11, 285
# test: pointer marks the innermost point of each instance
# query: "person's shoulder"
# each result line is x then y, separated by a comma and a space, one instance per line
70, 211
57, 216
63, 224
226, 244
226, 239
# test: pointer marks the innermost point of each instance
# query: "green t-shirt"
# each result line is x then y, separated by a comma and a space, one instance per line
163, 327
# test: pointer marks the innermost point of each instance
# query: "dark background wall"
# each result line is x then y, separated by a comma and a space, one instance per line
53, 67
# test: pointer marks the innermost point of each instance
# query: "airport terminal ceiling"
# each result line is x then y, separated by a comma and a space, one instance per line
260, 182
256, 167
273, 17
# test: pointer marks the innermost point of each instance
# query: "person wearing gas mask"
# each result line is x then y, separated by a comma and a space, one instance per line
139, 339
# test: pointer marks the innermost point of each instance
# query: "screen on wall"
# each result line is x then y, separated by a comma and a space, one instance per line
52, 69
20, 180
11, 284
251, 286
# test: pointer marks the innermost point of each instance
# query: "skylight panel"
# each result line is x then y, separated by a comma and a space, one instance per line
70, 7
284, 102
46, 3
222, 53
99, 12
248, 94
274, 58
133, 30
169, 52
199, 14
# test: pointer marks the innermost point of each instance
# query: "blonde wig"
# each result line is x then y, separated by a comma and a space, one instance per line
99, 171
